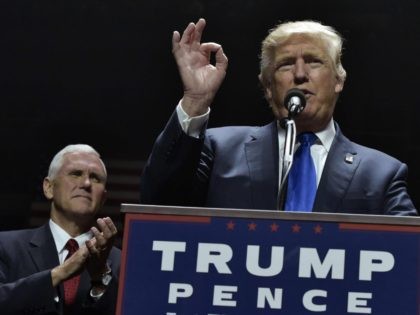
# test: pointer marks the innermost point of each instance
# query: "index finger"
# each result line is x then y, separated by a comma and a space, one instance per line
199, 27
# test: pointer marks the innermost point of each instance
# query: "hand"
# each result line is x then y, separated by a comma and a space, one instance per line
99, 247
71, 266
201, 79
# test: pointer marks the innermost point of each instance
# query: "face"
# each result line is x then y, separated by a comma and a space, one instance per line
78, 190
303, 62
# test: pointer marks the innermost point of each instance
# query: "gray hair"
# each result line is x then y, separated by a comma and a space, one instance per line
57, 161
278, 35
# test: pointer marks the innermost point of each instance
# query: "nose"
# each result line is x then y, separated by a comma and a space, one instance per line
86, 182
300, 73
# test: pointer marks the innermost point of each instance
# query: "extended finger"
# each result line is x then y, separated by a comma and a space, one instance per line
107, 227
91, 247
175, 40
199, 27
99, 237
187, 34
111, 225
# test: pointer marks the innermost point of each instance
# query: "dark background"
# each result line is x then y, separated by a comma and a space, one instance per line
101, 72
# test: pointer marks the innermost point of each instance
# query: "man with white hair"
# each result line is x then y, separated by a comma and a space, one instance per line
69, 265
243, 167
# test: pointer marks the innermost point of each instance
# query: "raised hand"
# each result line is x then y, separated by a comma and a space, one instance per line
99, 247
200, 78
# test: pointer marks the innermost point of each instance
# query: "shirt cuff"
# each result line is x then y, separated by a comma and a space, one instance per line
192, 126
96, 296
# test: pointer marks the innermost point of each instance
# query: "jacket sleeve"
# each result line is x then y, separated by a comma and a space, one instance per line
178, 169
33, 294
398, 201
107, 303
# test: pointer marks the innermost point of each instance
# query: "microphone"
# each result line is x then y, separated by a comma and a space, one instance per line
294, 101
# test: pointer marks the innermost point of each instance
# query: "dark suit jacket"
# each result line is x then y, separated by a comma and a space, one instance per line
26, 260
237, 167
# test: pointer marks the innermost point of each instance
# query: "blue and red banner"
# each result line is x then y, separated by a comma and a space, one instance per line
183, 264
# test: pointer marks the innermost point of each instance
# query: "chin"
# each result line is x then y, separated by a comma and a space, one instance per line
83, 211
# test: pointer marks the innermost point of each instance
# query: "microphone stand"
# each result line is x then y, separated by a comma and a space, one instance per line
289, 149
295, 102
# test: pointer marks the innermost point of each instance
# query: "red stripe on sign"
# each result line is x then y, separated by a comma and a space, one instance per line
379, 227
169, 218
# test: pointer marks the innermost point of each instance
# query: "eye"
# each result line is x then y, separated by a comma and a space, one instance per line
96, 178
285, 66
314, 62
76, 173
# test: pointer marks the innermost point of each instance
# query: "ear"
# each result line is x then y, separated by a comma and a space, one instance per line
267, 91
48, 188
268, 94
339, 85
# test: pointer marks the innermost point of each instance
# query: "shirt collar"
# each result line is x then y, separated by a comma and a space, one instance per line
326, 136
61, 236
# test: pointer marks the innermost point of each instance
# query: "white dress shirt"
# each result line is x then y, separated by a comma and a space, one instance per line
61, 237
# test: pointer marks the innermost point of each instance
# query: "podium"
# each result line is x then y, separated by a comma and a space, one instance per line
206, 261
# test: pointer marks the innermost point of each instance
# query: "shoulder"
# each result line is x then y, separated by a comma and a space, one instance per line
16, 235
229, 131
240, 133
15, 242
366, 154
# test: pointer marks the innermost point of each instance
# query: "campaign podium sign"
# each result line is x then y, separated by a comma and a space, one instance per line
204, 261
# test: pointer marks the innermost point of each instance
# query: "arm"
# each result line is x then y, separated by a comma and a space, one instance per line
23, 288
170, 176
398, 201
33, 292
102, 265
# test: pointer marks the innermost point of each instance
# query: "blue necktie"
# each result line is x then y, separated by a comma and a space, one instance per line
301, 185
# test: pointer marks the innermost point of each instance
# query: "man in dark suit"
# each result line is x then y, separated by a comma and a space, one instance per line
69, 265
242, 167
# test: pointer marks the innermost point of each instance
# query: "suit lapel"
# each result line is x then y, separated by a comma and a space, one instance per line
340, 166
261, 153
42, 249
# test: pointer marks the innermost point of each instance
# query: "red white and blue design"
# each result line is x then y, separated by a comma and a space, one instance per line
208, 265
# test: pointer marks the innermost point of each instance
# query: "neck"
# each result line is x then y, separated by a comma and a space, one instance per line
72, 224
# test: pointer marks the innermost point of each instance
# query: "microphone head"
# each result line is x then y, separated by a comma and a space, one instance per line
295, 102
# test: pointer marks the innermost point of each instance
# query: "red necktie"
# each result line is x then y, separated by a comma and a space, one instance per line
71, 284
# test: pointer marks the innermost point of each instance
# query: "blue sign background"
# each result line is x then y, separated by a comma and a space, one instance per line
146, 287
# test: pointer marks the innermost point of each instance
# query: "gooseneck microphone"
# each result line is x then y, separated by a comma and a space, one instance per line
295, 102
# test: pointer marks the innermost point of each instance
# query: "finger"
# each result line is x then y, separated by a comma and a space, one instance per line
208, 48
82, 252
91, 247
175, 40
100, 240
105, 230
221, 60
111, 225
199, 27
187, 34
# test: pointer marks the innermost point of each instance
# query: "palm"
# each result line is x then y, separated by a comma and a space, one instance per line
198, 75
